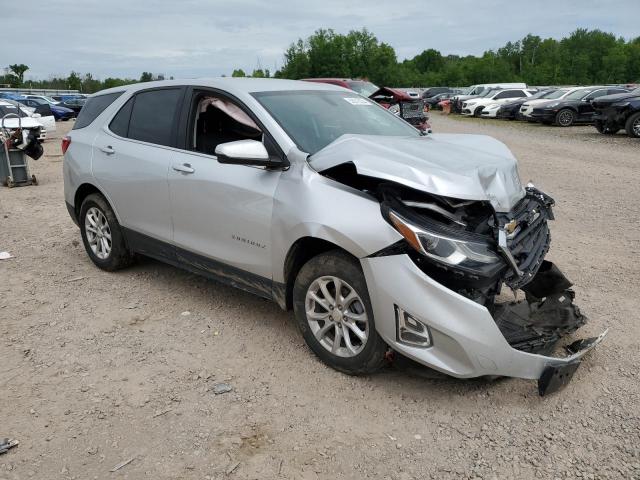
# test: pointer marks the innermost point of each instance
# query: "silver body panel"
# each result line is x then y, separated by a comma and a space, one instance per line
249, 217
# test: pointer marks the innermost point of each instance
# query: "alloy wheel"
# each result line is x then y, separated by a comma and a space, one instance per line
565, 118
636, 127
337, 316
98, 233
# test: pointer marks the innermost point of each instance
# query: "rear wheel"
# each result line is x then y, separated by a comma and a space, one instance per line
633, 125
604, 129
333, 311
565, 117
101, 234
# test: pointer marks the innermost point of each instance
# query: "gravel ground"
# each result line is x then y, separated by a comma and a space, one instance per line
100, 368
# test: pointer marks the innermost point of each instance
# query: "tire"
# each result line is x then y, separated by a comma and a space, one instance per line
95, 210
318, 275
565, 117
478, 112
633, 125
602, 128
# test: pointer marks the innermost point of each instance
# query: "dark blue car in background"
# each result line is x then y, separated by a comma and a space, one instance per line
59, 112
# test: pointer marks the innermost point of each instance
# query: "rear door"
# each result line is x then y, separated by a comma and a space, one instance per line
131, 159
222, 213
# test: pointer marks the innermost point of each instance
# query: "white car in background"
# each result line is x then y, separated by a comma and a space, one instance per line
527, 107
29, 119
26, 120
475, 106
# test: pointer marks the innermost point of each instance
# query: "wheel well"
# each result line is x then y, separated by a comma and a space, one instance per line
303, 250
83, 192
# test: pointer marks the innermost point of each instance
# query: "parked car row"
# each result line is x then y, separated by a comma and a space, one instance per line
62, 107
609, 108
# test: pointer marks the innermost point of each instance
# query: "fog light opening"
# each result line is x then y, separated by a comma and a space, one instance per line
411, 331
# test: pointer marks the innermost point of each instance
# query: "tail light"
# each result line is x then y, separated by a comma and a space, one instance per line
66, 141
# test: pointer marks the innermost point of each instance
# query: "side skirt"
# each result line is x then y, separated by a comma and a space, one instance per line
201, 265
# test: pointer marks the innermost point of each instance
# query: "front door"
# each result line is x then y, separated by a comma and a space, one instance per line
221, 213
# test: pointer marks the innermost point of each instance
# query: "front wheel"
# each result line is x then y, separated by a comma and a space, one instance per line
478, 112
633, 125
565, 117
333, 311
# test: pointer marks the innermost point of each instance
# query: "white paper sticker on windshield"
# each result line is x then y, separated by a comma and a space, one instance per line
357, 101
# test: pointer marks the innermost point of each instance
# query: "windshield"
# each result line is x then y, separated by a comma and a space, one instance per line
489, 93
49, 99
313, 119
636, 91
578, 94
6, 109
363, 88
555, 94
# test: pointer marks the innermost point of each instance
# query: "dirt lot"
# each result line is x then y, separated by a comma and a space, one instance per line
99, 368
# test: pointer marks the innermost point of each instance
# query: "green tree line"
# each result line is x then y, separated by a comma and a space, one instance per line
14, 77
584, 57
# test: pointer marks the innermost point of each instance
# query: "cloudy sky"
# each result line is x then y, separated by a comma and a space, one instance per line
194, 38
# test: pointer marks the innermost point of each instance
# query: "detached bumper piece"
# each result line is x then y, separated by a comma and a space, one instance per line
555, 377
535, 325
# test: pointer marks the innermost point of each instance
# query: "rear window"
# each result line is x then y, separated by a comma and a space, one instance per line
94, 107
153, 114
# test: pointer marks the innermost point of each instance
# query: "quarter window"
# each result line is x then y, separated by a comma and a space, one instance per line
152, 116
120, 123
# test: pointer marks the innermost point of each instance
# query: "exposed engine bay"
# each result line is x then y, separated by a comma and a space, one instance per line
475, 251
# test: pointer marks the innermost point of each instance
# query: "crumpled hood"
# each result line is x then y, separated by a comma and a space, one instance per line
468, 167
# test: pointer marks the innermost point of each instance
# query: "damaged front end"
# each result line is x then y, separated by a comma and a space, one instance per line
474, 252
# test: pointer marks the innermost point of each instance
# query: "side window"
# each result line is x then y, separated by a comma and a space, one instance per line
510, 94
94, 107
217, 120
120, 123
617, 90
153, 114
596, 94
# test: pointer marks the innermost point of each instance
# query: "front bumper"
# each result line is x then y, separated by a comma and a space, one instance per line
611, 117
466, 340
493, 113
543, 115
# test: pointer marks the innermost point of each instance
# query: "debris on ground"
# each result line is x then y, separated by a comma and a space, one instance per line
7, 443
5, 255
123, 464
220, 388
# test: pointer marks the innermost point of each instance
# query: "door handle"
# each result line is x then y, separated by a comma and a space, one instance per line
184, 168
108, 150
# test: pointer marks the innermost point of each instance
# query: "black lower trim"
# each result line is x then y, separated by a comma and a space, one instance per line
201, 265
72, 213
554, 378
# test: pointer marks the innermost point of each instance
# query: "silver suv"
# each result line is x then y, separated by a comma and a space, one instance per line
380, 239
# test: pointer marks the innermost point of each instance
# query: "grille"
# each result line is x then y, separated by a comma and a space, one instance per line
530, 241
412, 109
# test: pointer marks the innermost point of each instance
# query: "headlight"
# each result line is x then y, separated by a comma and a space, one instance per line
470, 103
444, 247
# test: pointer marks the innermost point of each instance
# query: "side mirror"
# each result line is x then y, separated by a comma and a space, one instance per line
36, 115
244, 152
